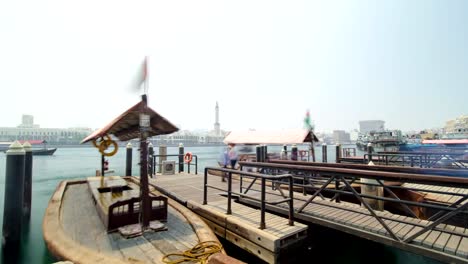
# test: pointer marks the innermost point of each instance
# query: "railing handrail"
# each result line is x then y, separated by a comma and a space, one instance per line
154, 156
403, 169
263, 201
381, 175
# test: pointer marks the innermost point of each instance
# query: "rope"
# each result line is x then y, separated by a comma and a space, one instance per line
199, 253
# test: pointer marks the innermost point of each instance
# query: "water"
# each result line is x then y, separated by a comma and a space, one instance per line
70, 163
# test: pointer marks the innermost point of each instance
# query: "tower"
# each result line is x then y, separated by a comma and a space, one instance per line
217, 129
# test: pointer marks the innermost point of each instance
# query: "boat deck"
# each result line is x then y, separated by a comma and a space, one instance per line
84, 238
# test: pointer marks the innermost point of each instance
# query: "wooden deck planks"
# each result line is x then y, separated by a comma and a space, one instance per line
440, 241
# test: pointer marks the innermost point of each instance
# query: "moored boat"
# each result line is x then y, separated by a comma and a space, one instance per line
119, 219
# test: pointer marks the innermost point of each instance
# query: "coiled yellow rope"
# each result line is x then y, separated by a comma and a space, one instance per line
199, 253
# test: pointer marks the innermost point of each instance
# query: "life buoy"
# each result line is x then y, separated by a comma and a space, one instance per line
103, 143
302, 153
188, 157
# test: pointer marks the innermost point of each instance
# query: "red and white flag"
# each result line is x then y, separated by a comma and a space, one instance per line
141, 77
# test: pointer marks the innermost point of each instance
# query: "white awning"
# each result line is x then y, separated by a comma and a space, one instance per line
289, 136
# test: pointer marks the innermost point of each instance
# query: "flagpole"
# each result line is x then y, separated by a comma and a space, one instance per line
146, 87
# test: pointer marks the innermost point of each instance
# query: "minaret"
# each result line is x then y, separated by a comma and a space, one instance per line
217, 129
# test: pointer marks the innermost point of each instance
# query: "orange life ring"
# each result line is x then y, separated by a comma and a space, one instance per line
302, 153
188, 157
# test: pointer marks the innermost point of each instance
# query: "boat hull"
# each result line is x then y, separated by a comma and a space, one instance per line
73, 231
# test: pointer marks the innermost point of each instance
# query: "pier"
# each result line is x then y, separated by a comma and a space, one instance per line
260, 205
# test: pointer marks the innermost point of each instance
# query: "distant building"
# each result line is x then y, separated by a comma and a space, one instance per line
366, 126
457, 127
340, 137
27, 130
217, 126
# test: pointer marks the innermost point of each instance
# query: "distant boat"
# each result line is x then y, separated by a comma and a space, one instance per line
39, 147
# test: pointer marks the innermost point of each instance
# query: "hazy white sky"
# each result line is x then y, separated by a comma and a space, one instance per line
69, 63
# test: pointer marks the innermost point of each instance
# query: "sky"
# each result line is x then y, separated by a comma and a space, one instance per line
71, 63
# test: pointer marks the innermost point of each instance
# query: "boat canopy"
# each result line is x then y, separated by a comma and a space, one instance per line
253, 137
127, 125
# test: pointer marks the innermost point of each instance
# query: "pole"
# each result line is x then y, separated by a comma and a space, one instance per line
150, 159
181, 157
12, 210
294, 152
27, 181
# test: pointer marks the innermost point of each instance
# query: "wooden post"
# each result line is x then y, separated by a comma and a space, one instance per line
27, 181
103, 169
338, 153
13, 201
181, 157
128, 164
285, 149
324, 152
265, 153
162, 157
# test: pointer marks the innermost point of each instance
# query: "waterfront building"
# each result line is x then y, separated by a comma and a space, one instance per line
341, 137
366, 126
27, 130
457, 127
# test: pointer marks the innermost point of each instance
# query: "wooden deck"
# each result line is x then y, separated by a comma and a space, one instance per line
445, 244
242, 226
83, 237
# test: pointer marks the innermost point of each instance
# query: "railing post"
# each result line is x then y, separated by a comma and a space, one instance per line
205, 187
181, 158
291, 201
128, 163
262, 206
196, 164
229, 210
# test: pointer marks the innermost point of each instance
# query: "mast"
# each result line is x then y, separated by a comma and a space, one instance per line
144, 191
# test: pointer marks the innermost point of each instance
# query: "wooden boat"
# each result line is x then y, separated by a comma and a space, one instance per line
114, 219
36, 151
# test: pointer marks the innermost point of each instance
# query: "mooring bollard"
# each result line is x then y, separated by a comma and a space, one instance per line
28, 165
294, 152
258, 154
181, 157
372, 189
324, 152
128, 164
13, 207
162, 157
338, 153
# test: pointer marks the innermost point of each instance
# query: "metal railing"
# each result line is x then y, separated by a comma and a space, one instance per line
276, 179
349, 184
422, 160
155, 164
